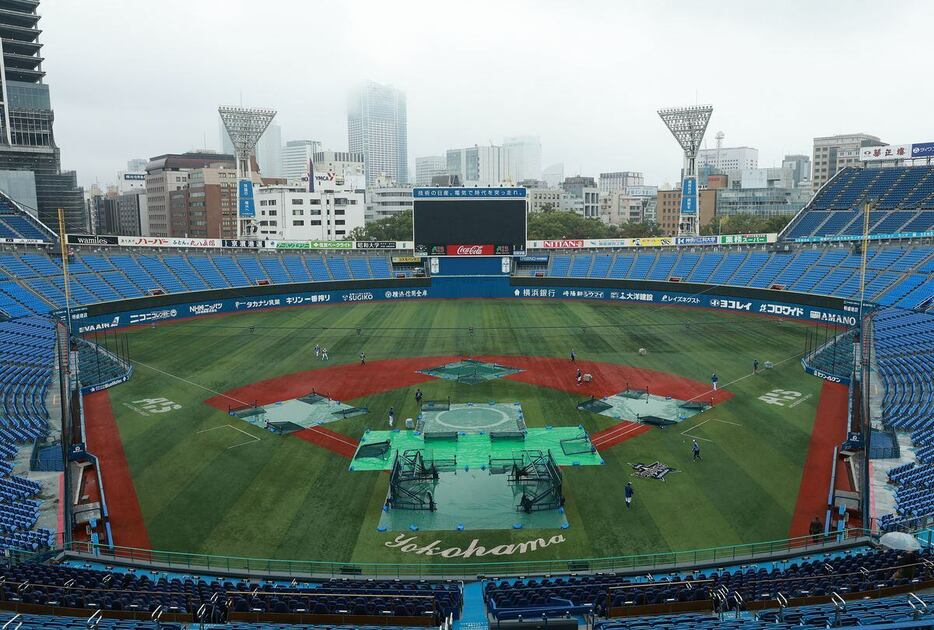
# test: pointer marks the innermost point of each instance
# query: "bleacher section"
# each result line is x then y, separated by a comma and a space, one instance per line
26, 357
896, 275
848, 574
18, 224
904, 346
902, 198
127, 590
887, 610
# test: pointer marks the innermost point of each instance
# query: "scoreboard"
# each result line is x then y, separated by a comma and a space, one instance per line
469, 221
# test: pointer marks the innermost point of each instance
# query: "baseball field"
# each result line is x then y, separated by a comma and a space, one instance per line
181, 473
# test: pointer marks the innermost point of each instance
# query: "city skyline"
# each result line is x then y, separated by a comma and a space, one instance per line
786, 75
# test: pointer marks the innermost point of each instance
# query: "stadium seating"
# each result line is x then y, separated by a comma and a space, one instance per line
854, 573
904, 344
16, 223
887, 610
903, 199
129, 590
26, 357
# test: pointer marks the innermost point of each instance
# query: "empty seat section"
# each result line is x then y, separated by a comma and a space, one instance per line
43, 287
337, 265
295, 265
96, 285
705, 266
129, 265
727, 268
580, 265
155, 267
661, 270
319, 271
799, 264
641, 266
122, 285
832, 280
208, 271
231, 270
621, 265
601, 265
379, 265
685, 265
359, 268
43, 265
765, 276
274, 270
96, 262
180, 266
251, 267
16, 268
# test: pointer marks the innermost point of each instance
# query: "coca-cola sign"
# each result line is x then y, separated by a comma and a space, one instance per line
572, 244
470, 250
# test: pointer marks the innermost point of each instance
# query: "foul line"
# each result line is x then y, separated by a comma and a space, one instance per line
617, 431
252, 437
334, 435
185, 380
741, 378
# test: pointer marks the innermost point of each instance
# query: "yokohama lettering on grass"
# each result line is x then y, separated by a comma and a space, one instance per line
408, 544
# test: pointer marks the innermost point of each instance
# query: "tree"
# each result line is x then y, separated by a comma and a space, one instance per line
397, 227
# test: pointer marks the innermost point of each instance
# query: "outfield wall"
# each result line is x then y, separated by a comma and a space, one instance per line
176, 306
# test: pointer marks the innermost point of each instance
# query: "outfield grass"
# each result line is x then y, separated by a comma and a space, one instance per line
281, 497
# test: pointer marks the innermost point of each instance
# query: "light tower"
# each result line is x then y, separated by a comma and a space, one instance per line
687, 125
245, 125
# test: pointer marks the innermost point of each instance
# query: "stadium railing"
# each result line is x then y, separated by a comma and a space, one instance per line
712, 556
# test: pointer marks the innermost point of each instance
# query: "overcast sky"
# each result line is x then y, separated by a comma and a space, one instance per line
136, 79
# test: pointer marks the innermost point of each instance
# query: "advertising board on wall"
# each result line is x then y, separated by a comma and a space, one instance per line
462, 287
654, 241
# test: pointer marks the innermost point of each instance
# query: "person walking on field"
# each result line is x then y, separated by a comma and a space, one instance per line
573, 355
714, 380
629, 493
324, 354
418, 396
392, 417
362, 358
317, 350
695, 450
755, 366
580, 376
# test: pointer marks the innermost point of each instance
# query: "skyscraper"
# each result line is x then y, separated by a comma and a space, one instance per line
296, 154
28, 153
525, 157
377, 128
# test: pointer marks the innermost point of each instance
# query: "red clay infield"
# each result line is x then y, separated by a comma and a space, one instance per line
829, 430
126, 517
351, 381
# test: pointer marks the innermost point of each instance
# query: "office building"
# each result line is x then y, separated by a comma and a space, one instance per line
27, 141
132, 214
377, 129
386, 201
727, 159
765, 201
168, 173
343, 164
544, 197
479, 165
428, 167
293, 213
668, 209
833, 153
206, 207
131, 180
618, 180
617, 207
586, 195
296, 156
524, 157
800, 166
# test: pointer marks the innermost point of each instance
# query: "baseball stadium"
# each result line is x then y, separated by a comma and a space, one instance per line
679, 432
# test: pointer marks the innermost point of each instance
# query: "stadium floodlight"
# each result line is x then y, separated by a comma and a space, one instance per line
687, 125
245, 126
